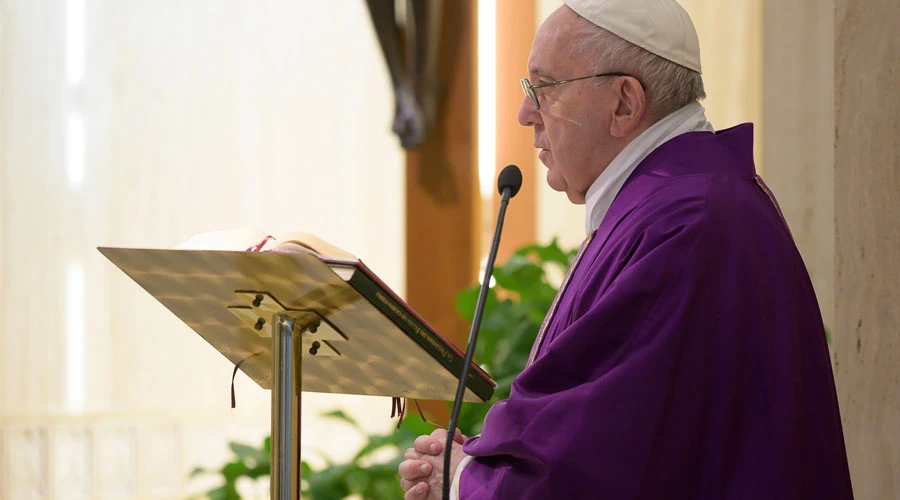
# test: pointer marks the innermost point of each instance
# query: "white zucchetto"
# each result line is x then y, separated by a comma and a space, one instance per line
661, 27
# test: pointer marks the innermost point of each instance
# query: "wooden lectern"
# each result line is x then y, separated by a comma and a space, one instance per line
300, 321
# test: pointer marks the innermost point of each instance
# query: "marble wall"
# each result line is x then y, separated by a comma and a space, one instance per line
831, 155
90, 458
867, 241
798, 90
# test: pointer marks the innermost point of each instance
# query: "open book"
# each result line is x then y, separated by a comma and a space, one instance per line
225, 285
253, 240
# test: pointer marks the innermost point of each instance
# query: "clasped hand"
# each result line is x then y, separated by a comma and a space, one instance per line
422, 468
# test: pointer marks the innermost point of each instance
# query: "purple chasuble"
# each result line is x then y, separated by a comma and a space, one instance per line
686, 358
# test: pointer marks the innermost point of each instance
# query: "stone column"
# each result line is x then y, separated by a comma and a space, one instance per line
866, 346
798, 136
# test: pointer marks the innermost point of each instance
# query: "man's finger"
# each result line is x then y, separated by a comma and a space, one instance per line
417, 492
414, 469
441, 435
411, 454
428, 444
406, 484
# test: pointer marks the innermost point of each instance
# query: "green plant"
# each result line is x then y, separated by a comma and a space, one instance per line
362, 474
516, 306
248, 462
514, 311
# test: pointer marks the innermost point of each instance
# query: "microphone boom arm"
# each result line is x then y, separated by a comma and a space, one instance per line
509, 182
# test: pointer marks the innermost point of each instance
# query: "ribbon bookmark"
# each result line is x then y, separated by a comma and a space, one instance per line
398, 408
257, 247
234, 374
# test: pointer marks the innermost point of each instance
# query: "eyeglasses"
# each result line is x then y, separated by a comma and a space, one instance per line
528, 88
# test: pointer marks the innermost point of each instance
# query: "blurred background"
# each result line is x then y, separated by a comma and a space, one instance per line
141, 124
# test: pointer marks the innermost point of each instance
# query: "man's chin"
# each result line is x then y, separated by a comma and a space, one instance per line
562, 186
575, 198
555, 183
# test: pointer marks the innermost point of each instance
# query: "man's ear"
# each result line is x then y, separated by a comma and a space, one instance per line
631, 110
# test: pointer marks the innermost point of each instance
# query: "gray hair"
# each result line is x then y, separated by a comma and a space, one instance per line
668, 86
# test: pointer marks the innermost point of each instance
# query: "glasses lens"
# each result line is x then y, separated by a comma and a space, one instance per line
529, 91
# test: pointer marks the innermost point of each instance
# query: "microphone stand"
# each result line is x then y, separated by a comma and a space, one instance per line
508, 188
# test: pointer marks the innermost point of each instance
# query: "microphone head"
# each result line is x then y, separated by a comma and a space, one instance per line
510, 178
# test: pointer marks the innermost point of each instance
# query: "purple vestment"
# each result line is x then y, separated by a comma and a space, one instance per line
686, 358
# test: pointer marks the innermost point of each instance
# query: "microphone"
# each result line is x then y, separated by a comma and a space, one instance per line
508, 183
509, 179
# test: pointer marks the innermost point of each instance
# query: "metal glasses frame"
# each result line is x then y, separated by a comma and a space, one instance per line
528, 88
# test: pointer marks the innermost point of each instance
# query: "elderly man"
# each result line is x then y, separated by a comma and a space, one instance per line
684, 356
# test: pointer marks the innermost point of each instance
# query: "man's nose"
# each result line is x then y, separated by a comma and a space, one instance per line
528, 116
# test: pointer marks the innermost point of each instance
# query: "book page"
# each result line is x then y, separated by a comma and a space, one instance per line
229, 239
245, 238
315, 244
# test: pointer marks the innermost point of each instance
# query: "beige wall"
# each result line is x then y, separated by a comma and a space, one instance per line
867, 236
556, 217
799, 132
195, 116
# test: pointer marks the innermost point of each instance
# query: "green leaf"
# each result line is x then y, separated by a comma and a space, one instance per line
233, 470
551, 253
466, 300
219, 493
377, 442
518, 273
340, 415
465, 303
258, 471
329, 483
247, 452
305, 470
500, 316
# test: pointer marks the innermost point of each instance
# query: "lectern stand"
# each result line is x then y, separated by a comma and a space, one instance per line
285, 475
300, 322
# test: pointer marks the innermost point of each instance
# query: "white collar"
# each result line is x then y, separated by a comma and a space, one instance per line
599, 197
